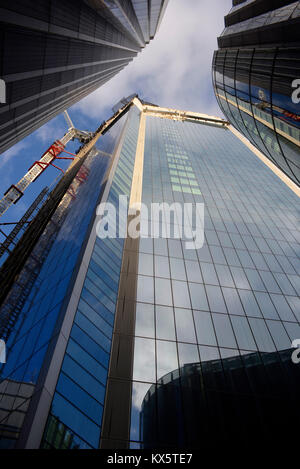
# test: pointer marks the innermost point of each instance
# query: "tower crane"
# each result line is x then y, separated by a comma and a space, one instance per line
16, 191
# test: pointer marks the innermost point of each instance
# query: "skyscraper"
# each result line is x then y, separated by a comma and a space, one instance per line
256, 77
53, 53
127, 341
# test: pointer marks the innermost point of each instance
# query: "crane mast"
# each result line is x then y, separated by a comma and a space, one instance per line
15, 192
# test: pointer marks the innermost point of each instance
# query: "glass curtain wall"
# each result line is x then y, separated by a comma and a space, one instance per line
237, 296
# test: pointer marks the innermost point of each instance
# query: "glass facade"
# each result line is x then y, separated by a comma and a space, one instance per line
253, 74
229, 398
142, 339
80, 391
55, 53
39, 320
227, 306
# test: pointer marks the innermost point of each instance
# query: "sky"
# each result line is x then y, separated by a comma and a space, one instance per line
174, 70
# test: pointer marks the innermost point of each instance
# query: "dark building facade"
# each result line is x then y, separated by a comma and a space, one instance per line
109, 319
53, 53
223, 400
256, 74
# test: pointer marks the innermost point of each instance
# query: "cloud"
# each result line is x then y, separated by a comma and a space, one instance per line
50, 131
13, 151
174, 70
45, 134
7, 164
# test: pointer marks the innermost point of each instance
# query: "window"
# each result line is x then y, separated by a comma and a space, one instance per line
162, 266
163, 294
188, 354
177, 269
80, 398
209, 274
198, 296
164, 323
208, 353
160, 247
262, 335
144, 325
215, 299
145, 291
166, 357
255, 280
240, 278
243, 333
233, 301
266, 306
174, 248
250, 306
145, 264
185, 325
181, 294
75, 420
144, 360
204, 328
279, 335
193, 271
224, 331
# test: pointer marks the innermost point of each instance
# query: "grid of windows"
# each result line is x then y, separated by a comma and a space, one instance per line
182, 176
141, 11
56, 53
80, 391
156, 7
228, 305
239, 293
35, 327
254, 92
253, 74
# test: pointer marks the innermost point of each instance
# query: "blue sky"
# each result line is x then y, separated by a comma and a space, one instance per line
174, 70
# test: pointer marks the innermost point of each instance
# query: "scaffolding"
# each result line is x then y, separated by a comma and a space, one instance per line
20, 226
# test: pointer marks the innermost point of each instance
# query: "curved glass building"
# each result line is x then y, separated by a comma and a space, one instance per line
223, 400
255, 73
